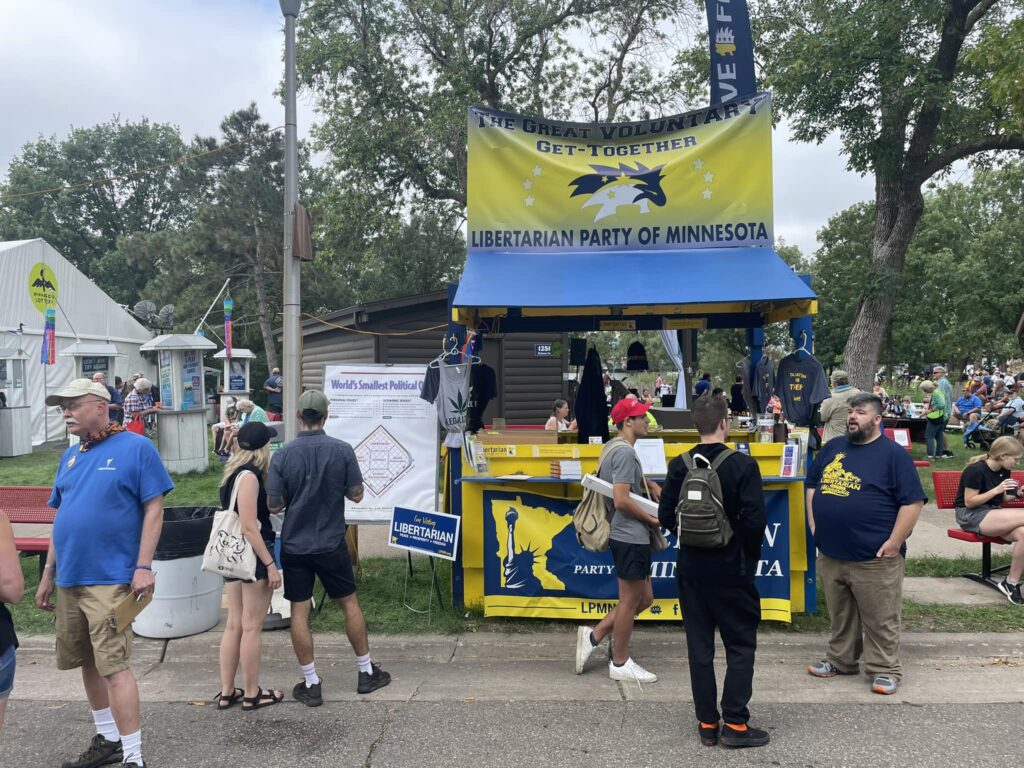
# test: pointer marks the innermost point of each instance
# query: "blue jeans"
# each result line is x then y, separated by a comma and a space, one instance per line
934, 437
6, 672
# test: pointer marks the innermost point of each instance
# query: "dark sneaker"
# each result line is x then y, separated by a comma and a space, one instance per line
100, 752
1012, 592
311, 696
708, 734
734, 738
368, 683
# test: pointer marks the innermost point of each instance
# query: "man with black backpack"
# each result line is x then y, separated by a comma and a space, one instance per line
713, 499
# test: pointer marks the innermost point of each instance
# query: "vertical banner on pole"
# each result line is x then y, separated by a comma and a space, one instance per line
732, 50
229, 307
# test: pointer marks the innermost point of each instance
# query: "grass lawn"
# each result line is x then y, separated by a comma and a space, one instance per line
383, 591
383, 595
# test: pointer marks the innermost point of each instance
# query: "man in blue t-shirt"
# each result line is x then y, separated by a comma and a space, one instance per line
109, 496
863, 500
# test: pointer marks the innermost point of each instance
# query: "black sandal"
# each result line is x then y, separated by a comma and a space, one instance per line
226, 702
262, 699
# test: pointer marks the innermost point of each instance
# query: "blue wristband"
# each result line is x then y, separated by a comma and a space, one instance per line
143, 568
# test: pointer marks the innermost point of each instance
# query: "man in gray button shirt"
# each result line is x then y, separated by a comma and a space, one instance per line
312, 476
630, 542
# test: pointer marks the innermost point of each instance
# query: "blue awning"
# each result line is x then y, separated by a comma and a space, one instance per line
756, 278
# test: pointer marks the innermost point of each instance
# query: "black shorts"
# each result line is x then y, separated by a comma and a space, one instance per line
333, 568
261, 569
632, 561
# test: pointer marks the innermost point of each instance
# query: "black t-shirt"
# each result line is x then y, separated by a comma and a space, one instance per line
483, 387
743, 499
982, 479
801, 385
262, 510
7, 636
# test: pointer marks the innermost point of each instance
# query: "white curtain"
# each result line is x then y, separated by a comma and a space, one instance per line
670, 340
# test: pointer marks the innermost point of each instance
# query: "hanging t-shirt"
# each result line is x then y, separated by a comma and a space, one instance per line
448, 387
801, 385
983, 479
483, 387
859, 490
764, 383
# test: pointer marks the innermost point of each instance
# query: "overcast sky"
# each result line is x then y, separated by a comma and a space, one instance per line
76, 63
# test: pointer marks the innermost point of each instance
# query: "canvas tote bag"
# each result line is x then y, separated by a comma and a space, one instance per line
229, 553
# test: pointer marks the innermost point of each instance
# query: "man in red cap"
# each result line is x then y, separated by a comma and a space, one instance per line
630, 544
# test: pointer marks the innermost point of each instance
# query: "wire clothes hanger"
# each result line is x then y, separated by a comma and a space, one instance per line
803, 345
450, 348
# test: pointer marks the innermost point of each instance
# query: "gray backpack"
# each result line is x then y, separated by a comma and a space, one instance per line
700, 513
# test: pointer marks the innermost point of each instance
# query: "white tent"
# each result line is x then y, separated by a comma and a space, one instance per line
86, 316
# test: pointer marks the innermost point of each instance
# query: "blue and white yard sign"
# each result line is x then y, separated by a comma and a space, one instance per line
429, 533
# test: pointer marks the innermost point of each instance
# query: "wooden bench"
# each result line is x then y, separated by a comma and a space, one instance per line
946, 486
27, 504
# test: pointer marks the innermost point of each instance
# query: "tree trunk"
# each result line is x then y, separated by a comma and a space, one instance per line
898, 207
263, 311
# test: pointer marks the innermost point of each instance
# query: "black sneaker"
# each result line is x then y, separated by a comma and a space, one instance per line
1012, 592
368, 683
100, 752
708, 734
748, 737
311, 696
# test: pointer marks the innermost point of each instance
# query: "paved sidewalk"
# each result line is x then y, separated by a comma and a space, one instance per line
512, 700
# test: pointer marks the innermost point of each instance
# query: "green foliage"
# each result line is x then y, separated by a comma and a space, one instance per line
953, 301
85, 223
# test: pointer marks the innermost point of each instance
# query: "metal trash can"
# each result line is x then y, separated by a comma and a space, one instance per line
186, 600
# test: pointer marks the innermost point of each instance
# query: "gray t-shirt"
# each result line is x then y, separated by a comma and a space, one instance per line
311, 474
623, 466
448, 386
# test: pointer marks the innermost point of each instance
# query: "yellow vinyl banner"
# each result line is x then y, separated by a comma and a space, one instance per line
697, 180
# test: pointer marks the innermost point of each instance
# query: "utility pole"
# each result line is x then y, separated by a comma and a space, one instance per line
291, 363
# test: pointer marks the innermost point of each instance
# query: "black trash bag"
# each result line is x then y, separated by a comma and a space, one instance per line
185, 533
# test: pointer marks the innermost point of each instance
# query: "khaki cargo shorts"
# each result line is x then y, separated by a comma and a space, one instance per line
85, 632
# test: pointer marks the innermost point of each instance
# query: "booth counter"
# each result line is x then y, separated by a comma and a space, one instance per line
520, 556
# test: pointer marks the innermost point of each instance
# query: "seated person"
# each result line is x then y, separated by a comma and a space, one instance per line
985, 485
558, 421
223, 430
1012, 414
967, 409
977, 386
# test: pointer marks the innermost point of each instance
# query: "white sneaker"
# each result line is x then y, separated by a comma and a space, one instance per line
631, 671
583, 648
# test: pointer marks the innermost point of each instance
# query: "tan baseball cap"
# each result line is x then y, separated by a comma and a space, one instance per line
314, 400
78, 388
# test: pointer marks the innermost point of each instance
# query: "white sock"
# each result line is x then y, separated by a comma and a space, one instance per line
309, 672
132, 745
105, 725
364, 664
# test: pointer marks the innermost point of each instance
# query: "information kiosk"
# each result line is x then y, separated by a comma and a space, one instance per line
181, 421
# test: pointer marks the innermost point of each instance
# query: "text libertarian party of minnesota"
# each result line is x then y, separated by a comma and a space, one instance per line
701, 179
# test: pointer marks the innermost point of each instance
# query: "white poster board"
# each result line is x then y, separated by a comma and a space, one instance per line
377, 410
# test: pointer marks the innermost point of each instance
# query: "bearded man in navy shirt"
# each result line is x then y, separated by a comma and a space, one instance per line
863, 500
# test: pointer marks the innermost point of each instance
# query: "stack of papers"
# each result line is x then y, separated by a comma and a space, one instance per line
567, 469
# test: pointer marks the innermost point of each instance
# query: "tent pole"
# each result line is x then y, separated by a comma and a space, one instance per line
210, 308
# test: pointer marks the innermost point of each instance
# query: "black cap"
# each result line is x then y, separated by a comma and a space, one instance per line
253, 436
